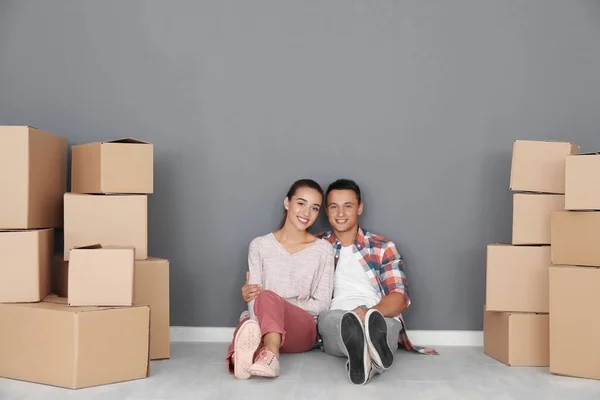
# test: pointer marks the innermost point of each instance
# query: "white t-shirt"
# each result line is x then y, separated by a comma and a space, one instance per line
352, 287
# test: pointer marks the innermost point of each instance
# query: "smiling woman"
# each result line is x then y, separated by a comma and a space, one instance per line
304, 194
289, 284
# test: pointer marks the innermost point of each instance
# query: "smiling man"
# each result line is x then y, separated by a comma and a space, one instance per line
365, 323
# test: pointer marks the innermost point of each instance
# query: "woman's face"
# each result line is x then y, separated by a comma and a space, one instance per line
303, 208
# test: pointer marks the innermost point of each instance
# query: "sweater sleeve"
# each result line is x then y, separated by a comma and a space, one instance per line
320, 299
255, 270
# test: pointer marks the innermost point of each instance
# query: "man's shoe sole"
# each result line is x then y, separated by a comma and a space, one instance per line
376, 331
353, 339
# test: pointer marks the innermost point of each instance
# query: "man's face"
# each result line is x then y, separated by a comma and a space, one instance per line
343, 210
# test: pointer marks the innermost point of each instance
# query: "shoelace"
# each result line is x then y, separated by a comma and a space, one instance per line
265, 357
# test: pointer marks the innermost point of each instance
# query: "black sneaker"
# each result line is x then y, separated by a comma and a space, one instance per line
376, 333
354, 340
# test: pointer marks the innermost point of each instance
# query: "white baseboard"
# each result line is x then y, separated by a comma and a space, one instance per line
420, 338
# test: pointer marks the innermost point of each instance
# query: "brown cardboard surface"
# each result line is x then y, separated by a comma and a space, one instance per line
25, 264
110, 220
152, 288
539, 166
101, 276
90, 346
118, 166
517, 278
33, 172
531, 217
60, 276
574, 321
517, 339
582, 182
575, 237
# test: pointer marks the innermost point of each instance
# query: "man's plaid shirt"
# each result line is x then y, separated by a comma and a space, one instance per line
384, 265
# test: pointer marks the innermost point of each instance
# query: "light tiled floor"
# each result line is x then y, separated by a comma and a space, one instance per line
197, 371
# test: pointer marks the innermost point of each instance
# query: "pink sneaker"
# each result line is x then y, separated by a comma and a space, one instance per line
245, 344
265, 365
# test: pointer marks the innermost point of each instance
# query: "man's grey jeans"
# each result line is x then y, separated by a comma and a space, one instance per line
329, 328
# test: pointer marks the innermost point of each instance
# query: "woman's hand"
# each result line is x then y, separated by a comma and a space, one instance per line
249, 292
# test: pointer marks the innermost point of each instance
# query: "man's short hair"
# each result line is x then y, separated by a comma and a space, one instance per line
345, 184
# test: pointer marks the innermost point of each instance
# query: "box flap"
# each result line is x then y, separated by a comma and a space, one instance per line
584, 154
127, 140
500, 244
156, 259
117, 247
55, 299
24, 230
20, 126
12, 231
103, 195
581, 267
61, 304
85, 309
107, 247
544, 141
55, 306
91, 246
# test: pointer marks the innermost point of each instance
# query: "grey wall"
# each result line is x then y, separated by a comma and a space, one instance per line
419, 101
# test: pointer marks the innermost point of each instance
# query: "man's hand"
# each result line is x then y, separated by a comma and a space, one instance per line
392, 305
361, 312
249, 292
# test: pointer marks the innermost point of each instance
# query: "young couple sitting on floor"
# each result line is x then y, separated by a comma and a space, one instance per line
343, 291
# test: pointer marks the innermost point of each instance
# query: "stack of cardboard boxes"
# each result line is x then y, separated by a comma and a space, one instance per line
33, 179
575, 274
109, 314
516, 314
108, 208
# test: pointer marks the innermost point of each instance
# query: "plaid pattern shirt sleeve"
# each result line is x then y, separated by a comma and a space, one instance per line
391, 272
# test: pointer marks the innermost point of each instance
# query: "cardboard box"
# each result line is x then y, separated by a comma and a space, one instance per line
582, 185
117, 166
25, 263
152, 288
517, 339
60, 276
574, 321
575, 237
73, 347
539, 166
111, 220
531, 217
517, 278
101, 276
33, 172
